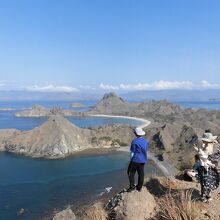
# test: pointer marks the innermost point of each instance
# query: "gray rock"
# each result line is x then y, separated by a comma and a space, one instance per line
133, 205
66, 214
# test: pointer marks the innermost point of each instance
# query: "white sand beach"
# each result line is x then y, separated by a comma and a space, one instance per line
144, 122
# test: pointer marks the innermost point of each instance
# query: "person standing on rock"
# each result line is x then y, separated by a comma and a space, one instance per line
138, 150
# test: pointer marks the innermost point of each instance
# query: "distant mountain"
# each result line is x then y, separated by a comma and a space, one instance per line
26, 95
170, 95
113, 104
173, 95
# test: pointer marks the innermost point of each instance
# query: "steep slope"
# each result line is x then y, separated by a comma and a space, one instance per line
112, 104
55, 138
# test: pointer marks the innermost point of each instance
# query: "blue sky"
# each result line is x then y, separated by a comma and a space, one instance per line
72, 45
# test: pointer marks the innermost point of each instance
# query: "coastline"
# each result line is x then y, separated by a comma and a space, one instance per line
145, 122
167, 169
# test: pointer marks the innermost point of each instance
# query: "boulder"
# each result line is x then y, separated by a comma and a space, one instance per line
66, 214
134, 205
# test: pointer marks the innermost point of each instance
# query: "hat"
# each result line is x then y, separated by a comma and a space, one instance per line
139, 131
208, 137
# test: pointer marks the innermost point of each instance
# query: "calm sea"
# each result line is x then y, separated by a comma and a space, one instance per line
34, 188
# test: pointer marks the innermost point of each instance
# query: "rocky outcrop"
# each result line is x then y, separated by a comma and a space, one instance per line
132, 206
56, 138
66, 214
5, 134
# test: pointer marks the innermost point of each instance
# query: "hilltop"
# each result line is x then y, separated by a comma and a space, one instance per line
161, 198
56, 138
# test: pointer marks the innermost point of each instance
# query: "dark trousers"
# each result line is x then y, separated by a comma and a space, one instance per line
132, 168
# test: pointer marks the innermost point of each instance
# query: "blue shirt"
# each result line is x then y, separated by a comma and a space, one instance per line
139, 147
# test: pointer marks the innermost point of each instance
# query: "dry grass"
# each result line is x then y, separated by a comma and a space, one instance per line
169, 183
95, 212
178, 207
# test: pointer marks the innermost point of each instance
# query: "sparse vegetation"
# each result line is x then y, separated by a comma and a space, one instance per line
105, 138
183, 165
120, 143
95, 212
178, 207
94, 140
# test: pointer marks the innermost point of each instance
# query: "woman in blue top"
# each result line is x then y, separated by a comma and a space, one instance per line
139, 147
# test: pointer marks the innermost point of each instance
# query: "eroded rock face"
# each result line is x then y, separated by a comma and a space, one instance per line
56, 138
167, 136
5, 134
66, 214
133, 205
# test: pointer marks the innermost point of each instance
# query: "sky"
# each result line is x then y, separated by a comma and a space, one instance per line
78, 45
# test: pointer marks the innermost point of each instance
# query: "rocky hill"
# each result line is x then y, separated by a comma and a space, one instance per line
111, 104
56, 138
40, 111
114, 105
161, 198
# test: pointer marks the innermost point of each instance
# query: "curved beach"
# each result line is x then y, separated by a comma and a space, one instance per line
144, 122
164, 166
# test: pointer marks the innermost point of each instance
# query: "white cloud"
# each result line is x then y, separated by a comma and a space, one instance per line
51, 88
108, 87
206, 85
2, 84
158, 85
86, 87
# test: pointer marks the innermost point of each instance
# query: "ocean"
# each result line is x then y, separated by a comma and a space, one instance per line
35, 188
